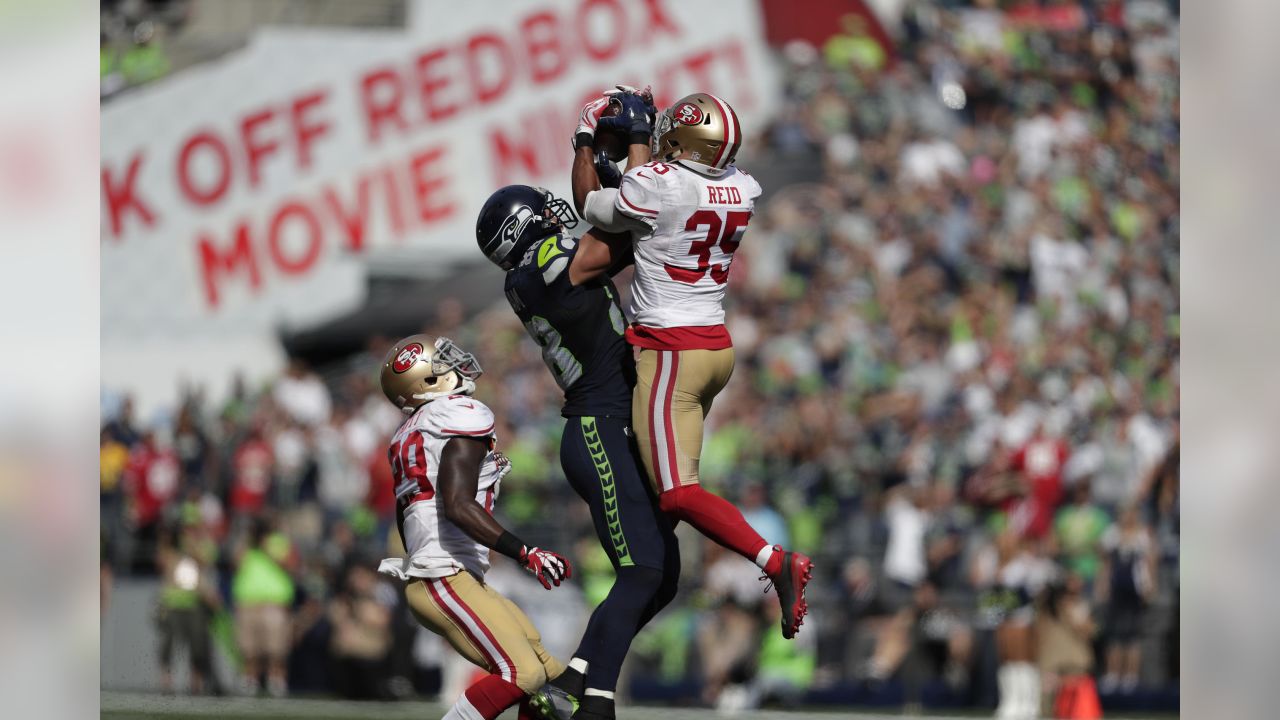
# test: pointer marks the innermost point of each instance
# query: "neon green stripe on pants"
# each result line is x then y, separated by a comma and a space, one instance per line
609, 491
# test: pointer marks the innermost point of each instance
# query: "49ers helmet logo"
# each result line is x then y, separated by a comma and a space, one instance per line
407, 357
688, 114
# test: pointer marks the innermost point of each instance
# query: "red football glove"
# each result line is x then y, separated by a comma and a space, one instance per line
550, 568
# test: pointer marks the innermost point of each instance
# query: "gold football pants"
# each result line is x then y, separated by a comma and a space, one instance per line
484, 627
674, 390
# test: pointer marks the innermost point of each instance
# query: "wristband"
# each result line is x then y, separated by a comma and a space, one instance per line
641, 138
510, 545
583, 139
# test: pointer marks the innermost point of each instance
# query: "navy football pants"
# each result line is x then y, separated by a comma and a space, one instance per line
599, 459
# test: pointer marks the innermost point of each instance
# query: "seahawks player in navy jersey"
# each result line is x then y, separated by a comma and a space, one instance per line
560, 287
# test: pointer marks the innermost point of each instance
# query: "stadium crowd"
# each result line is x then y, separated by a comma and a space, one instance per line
957, 352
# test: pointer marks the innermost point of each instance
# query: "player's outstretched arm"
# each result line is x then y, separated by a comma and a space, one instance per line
458, 480
600, 253
584, 179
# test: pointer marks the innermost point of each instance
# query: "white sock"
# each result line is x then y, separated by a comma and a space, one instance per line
1028, 690
1007, 708
463, 710
578, 664
762, 557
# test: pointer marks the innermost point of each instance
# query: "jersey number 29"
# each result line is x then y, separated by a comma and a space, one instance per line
409, 465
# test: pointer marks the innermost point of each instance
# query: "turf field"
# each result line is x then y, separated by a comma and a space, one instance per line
122, 706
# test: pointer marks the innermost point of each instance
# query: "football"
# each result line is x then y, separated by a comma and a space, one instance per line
613, 142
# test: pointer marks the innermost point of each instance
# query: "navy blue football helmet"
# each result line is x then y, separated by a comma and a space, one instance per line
516, 217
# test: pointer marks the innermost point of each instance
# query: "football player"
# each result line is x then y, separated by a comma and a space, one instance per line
560, 288
686, 212
447, 474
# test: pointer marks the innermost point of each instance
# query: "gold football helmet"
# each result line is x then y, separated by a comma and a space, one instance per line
698, 130
419, 369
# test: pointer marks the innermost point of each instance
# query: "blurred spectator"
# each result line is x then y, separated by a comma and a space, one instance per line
1064, 635
729, 638
1127, 586
251, 466
188, 599
122, 428
1078, 530
302, 395
145, 60
151, 480
262, 591
110, 78
905, 566
938, 643
360, 616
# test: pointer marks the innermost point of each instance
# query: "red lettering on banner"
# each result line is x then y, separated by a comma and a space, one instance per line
394, 208
428, 184
301, 230
214, 263
123, 198
314, 237
547, 56
203, 196
354, 223
381, 92
487, 92
617, 24
658, 22
508, 153
254, 149
433, 80
307, 130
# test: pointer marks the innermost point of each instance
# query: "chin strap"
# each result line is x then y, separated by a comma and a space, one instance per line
467, 386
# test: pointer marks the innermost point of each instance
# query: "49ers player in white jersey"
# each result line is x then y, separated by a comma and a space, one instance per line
447, 474
686, 213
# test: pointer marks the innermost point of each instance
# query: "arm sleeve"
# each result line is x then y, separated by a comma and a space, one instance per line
600, 209
638, 196
461, 416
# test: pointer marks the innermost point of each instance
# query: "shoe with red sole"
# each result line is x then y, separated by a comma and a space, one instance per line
792, 577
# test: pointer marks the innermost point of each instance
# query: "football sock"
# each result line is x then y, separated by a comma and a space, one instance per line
618, 619
714, 517
1007, 707
769, 559
485, 700
574, 680
1029, 678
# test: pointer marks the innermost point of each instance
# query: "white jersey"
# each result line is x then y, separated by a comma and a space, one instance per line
695, 223
437, 547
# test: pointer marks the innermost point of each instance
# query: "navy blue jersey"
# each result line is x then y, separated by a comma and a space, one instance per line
580, 329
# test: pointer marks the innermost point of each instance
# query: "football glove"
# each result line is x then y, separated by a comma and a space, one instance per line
609, 174
589, 118
550, 568
634, 119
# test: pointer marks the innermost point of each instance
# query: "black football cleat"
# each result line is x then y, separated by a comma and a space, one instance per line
797, 570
